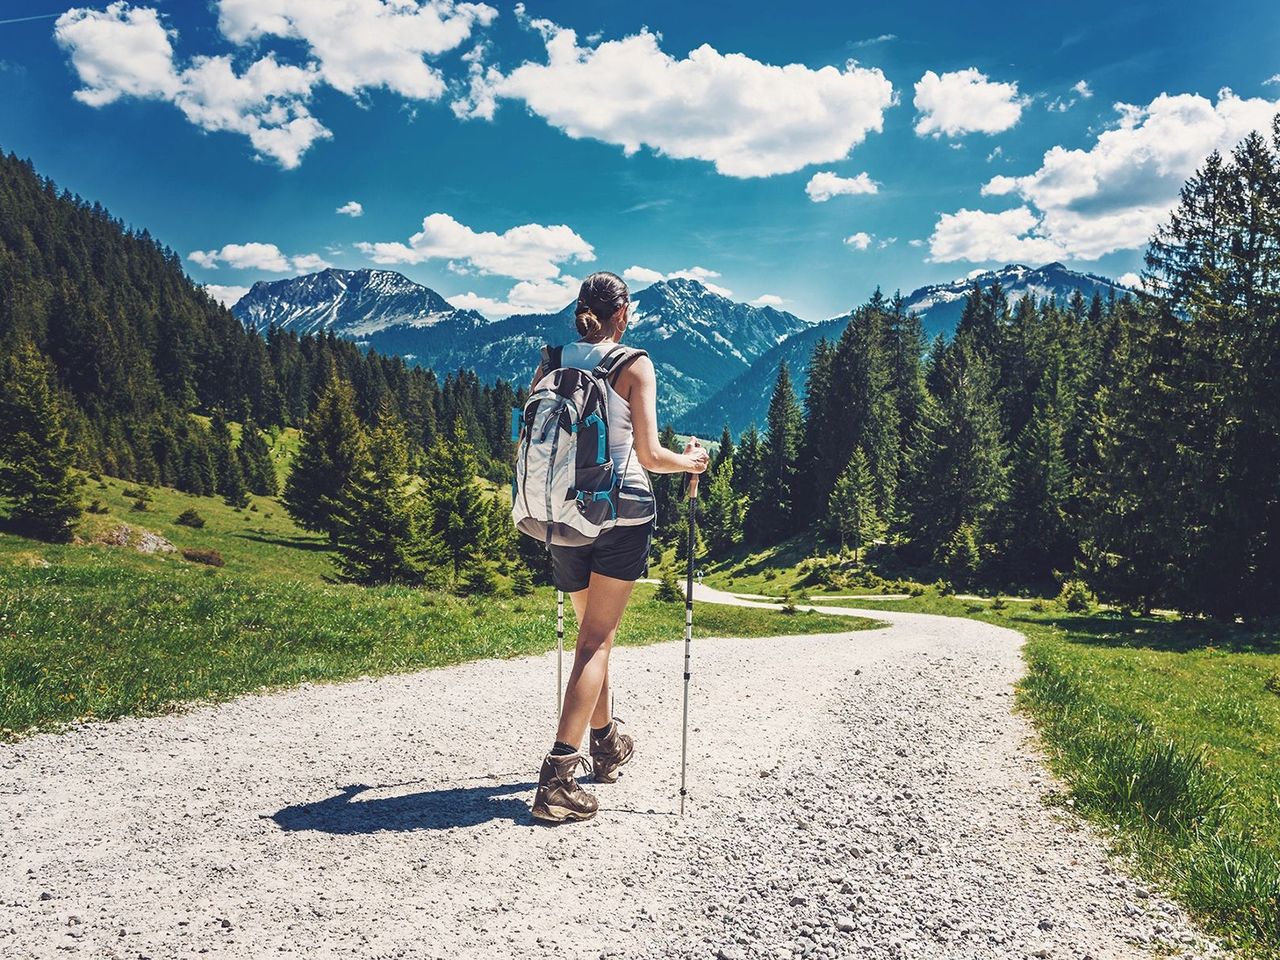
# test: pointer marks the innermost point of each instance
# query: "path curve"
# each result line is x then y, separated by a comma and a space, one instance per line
868, 794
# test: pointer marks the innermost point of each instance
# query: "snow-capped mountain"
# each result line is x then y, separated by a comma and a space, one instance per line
745, 399
940, 304
350, 303
698, 340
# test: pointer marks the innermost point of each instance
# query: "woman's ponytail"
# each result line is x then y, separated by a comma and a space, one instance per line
599, 298
588, 322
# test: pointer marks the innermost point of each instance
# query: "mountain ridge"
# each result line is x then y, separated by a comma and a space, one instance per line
717, 358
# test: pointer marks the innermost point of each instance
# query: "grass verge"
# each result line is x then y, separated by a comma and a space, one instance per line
99, 633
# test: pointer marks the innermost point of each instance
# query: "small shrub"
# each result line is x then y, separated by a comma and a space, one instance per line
139, 505
1037, 606
96, 506
668, 590
253, 508
211, 558
944, 588
521, 582
95, 476
1076, 597
771, 574
1272, 683
479, 582
189, 518
998, 603
788, 605
136, 493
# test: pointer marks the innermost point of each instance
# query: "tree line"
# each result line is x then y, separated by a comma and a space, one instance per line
1133, 443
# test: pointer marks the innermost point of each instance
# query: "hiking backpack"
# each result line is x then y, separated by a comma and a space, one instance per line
566, 490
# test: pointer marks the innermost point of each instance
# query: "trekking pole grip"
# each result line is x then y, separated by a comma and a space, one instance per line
693, 477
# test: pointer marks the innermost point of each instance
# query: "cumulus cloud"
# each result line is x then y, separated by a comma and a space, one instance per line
225, 295
352, 208
1130, 280
859, 240
1083, 90
1274, 78
644, 275
257, 256
750, 119
530, 251
352, 45
767, 300
527, 296
1112, 196
977, 235
965, 101
824, 185
362, 44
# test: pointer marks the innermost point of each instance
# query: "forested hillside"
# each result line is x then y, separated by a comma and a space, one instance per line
136, 347
1131, 443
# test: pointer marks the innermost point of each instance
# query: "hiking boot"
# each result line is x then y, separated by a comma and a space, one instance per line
610, 752
559, 798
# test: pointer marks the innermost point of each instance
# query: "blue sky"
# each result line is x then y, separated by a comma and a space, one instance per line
798, 154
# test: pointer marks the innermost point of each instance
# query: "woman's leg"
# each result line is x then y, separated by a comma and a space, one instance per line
602, 714
605, 600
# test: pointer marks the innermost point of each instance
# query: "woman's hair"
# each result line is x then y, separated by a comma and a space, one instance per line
599, 298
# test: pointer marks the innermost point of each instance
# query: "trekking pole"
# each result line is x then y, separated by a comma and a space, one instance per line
688, 635
559, 651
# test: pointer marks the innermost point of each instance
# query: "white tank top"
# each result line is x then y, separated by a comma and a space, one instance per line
585, 356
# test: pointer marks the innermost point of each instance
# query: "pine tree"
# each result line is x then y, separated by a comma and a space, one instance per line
456, 504
255, 459
724, 450
746, 464
723, 510
666, 490
379, 523
851, 508
35, 458
332, 446
234, 489
963, 474
772, 515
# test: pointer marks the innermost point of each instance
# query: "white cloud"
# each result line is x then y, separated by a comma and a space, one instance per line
965, 101
124, 51
527, 296
225, 295
872, 41
859, 240
824, 185
257, 256
527, 252
1112, 196
750, 119
767, 300
1274, 78
1083, 90
352, 45
352, 208
362, 44
1130, 280
704, 276
978, 236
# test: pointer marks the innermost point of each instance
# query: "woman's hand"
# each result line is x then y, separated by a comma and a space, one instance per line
697, 456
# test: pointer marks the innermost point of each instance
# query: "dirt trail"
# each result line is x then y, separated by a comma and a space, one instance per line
867, 794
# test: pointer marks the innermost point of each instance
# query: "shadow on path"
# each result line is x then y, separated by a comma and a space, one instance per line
441, 809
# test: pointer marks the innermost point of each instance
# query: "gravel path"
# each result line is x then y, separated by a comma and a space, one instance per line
868, 794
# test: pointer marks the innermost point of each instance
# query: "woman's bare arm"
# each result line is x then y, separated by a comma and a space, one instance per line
639, 384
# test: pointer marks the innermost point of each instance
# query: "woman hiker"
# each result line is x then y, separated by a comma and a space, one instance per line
599, 576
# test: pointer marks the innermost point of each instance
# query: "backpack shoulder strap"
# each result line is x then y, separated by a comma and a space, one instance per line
613, 362
551, 359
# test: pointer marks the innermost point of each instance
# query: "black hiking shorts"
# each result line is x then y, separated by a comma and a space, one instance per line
619, 552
